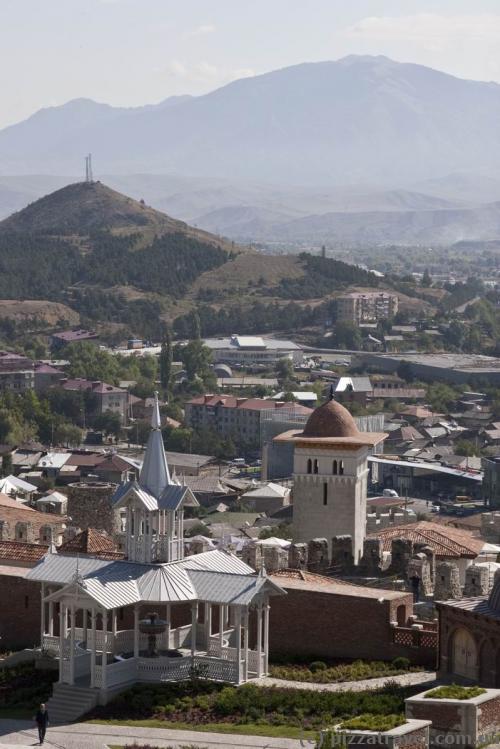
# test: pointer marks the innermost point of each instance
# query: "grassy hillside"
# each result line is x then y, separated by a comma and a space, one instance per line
113, 261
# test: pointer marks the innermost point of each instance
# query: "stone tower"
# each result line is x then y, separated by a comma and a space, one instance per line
330, 476
154, 505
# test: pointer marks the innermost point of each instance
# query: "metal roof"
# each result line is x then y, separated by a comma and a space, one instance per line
436, 467
113, 584
230, 588
174, 496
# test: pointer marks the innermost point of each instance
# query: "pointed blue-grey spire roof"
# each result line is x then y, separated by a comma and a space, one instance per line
155, 476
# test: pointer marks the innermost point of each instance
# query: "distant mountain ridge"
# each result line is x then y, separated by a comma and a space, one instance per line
358, 119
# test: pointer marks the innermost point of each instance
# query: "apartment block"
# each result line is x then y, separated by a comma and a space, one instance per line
367, 307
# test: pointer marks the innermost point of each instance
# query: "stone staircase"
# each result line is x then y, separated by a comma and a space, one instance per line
69, 703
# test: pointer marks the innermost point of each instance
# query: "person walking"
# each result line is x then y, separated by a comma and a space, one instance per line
42, 721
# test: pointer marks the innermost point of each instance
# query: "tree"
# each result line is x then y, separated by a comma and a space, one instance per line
166, 358
284, 369
346, 335
68, 434
426, 279
109, 422
466, 448
7, 464
196, 359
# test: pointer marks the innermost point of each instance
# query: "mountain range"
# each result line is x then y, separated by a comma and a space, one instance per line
308, 153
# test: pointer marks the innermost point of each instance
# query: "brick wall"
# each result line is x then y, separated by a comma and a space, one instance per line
312, 623
489, 717
444, 716
20, 619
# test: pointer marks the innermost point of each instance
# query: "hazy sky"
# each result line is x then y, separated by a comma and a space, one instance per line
132, 52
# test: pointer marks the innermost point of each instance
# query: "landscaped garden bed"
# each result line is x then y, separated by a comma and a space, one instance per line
23, 688
389, 731
324, 673
469, 714
250, 709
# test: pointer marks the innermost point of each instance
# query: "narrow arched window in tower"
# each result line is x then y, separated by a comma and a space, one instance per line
325, 493
309, 466
341, 467
335, 468
316, 467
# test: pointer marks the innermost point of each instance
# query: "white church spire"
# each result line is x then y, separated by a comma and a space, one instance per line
155, 475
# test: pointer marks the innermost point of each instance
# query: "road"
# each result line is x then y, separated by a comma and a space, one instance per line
19, 734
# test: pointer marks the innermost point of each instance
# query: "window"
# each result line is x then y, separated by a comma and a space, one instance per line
325, 494
26, 602
341, 467
335, 468
316, 466
309, 466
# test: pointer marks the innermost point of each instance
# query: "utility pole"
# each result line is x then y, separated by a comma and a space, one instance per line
89, 177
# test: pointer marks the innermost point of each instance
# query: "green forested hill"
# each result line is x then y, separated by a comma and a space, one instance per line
114, 260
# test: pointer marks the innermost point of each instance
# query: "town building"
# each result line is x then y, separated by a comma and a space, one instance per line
64, 337
330, 476
239, 418
18, 522
447, 367
370, 306
17, 372
250, 350
47, 376
208, 612
491, 481
468, 635
109, 398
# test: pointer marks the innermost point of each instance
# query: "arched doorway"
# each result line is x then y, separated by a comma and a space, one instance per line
464, 654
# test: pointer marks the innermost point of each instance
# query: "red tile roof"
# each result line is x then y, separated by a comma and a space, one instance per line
91, 541
75, 335
445, 541
20, 552
253, 404
85, 459
13, 512
115, 463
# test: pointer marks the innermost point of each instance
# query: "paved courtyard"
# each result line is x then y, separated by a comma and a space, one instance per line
19, 734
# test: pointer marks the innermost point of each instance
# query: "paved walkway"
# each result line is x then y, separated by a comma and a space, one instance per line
425, 678
19, 734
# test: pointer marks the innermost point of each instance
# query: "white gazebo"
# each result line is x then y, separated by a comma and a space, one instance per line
155, 616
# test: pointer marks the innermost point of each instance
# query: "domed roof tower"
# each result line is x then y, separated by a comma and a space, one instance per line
331, 476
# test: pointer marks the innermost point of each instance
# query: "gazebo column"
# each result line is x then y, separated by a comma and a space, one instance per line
104, 659
266, 638
93, 650
72, 645
222, 621
136, 630
168, 619
245, 644
208, 624
114, 629
62, 617
42, 618
259, 640
194, 626
51, 618
85, 624
238, 644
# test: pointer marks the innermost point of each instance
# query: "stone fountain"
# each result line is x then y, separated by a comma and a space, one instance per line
152, 626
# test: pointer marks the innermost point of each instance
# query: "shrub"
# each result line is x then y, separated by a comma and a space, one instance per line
317, 666
401, 664
370, 722
455, 692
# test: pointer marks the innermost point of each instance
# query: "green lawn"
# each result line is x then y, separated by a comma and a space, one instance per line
247, 729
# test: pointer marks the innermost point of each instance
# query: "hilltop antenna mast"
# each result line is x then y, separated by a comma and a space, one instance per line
88, 168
